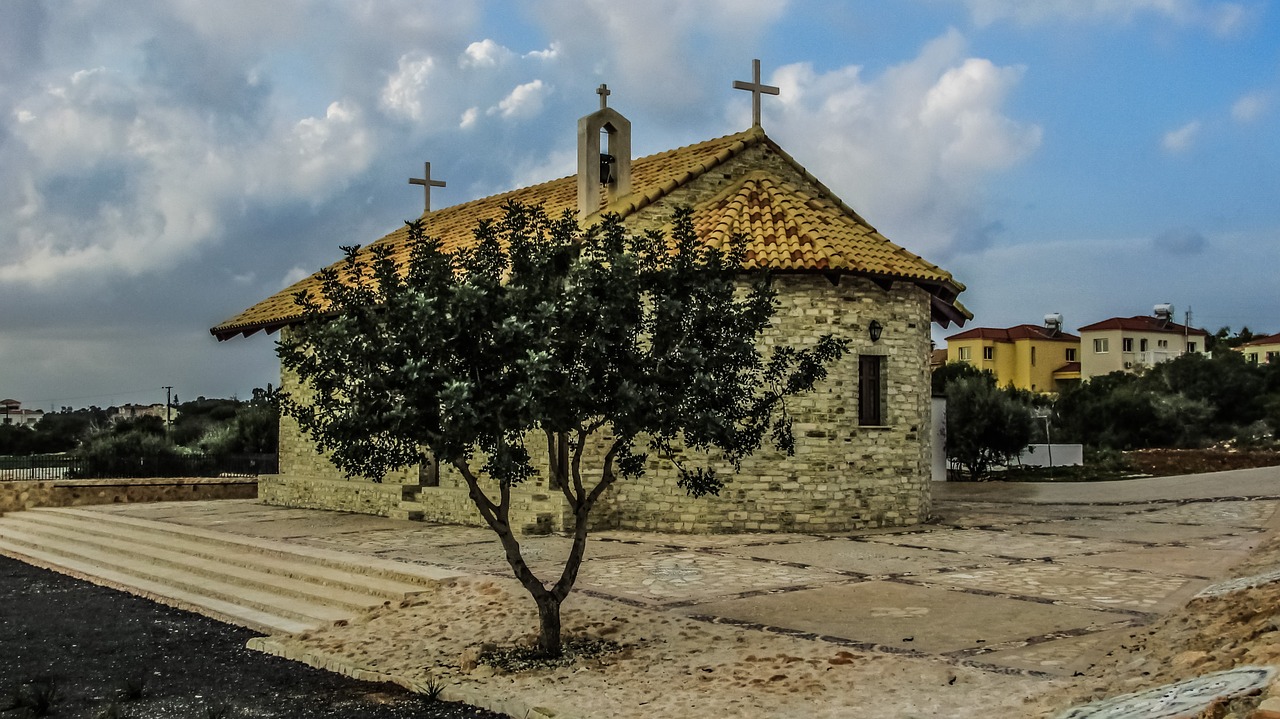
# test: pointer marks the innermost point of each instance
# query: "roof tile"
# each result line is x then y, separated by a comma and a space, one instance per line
787, 228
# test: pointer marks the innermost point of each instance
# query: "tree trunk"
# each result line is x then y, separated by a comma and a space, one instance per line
549, 625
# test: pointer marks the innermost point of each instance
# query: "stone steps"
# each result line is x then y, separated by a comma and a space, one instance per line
262, 584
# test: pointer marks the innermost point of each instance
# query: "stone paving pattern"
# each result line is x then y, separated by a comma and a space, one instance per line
1021, 586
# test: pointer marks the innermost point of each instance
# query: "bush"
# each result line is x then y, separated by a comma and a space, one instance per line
138, 454
986, 426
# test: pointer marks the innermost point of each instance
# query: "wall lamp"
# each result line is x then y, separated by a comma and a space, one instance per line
874, 330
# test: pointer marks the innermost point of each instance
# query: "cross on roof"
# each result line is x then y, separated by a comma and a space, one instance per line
756, 89
604, 93
427, 183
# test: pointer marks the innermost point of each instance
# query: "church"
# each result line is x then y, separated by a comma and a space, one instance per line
863, 441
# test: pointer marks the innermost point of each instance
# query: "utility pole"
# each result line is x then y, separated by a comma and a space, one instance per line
168, 403
1186, 330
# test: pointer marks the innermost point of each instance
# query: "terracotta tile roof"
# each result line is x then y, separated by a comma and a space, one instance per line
789, 228
1268, 340
1018, 332
1143, 323
1068, 368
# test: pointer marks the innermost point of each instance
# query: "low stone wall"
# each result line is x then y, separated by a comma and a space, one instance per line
309, 492
17, 496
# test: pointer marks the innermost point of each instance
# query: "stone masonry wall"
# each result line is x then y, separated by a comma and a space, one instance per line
17, 496
843, 476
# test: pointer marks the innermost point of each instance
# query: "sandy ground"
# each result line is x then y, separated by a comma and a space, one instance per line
670, 666
1205, 636
673, 666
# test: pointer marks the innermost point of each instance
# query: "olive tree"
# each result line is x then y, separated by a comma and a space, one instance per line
986, 425
542, 331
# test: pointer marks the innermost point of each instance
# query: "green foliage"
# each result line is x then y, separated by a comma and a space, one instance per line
545, 328
15, 439
951, 371
198, 417
254, 428
63, 431
1223, 339
149, 425
137, 454
55, 432
1189, 401
986, 426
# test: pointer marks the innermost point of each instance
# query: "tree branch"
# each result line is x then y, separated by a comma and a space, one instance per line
578, 489
581, 512
483, 503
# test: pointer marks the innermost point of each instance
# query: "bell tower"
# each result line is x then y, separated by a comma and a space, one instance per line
603, 169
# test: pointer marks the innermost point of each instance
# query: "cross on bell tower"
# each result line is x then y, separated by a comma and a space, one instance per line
756, 89
427, 183
604, 172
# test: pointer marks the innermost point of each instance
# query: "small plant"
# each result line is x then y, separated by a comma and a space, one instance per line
432, 689
36, 697
133, 688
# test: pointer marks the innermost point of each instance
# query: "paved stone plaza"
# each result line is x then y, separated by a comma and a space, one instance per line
1030, 580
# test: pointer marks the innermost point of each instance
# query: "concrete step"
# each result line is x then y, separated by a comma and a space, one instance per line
267, 585
351, 570
261, 598
229, 612
235, 570
164, 544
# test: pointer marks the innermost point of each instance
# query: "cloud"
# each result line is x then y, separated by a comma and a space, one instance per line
111, 179
912, 148
1091, 278
1229, 19
319, 153
485, 53
1222, 19
550, 53
648, 48
523, 102
294, 275
402, 94
1250, 107
1179, 241
1180, 139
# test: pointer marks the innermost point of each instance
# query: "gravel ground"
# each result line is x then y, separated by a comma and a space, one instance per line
101, 647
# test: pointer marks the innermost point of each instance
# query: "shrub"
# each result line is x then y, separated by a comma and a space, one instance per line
986, 426
138, 454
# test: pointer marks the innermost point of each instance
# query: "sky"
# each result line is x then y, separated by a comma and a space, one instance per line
165, 164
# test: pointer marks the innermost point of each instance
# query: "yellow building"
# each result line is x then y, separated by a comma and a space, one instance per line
1030, 357
1130, 344
1263, 350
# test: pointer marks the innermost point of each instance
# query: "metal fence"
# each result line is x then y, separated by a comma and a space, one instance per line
74, 466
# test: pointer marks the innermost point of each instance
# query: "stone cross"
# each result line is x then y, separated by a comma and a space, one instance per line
756, 89
603, 92
427, 183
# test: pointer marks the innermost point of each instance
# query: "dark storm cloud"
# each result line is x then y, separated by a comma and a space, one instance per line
1180, 241
22, 28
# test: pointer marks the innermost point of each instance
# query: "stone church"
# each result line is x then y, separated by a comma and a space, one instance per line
863, 440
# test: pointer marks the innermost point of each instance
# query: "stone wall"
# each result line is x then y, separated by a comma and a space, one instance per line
17, 496
842, 476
